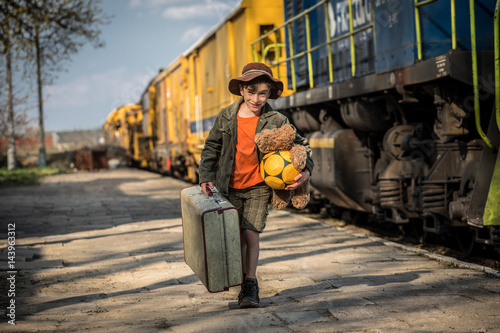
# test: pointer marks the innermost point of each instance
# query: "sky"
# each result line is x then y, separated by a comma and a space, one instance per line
143, 37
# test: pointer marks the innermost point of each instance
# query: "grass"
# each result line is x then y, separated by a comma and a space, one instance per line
25, 176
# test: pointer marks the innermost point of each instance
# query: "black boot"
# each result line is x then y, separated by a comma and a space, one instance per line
242, 291
250, 292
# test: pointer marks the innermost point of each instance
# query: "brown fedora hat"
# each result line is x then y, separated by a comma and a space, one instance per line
250, 72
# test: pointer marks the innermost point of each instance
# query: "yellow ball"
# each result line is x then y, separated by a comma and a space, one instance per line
277, 169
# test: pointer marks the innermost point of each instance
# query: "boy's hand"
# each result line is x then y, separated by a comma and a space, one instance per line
299, 180
204, 187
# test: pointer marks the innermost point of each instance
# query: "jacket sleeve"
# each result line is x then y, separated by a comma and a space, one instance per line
211, 153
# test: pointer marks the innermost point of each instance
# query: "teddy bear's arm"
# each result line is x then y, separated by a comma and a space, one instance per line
298, 154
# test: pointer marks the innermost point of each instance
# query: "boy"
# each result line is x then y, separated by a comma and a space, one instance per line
231, 161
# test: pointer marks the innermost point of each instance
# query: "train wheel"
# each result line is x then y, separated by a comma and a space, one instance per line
466, 240
412, 231
428, 238
353, 216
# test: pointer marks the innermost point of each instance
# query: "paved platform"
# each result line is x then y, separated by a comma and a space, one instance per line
102, 252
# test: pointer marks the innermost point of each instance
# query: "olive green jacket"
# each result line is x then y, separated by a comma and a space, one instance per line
217, 157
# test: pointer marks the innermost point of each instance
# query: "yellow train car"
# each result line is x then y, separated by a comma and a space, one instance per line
116, 131
193, 88
178, 107
135, 135
217, 58
150, 117
113, 128
171, 150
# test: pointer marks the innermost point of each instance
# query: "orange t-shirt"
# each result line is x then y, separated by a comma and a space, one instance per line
246, 165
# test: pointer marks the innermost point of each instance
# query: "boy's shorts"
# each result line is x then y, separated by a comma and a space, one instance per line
252, 205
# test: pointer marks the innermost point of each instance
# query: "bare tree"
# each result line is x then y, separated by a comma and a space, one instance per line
19, 101
8, 39
45, 34
20, 117
54, 30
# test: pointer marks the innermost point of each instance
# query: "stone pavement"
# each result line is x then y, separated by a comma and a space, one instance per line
102, 252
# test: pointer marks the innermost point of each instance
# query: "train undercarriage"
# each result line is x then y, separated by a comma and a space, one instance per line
407, 154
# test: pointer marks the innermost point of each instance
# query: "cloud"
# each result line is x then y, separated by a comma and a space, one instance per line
161, 3
135, 3
186, 9
152, 3
87, 101
198, 10
108, 88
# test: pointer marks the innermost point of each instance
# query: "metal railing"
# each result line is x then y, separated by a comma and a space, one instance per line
309, 49
475, 76
418, 30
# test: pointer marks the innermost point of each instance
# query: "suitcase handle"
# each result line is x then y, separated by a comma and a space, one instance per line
214, 194
209, 191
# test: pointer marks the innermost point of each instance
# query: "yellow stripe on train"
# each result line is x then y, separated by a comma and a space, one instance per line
321, 142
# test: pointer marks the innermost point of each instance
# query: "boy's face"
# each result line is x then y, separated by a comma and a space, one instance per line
255, 99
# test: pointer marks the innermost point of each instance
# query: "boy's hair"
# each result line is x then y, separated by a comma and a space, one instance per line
252, 85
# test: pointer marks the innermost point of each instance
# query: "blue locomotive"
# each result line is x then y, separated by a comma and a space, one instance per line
400, 102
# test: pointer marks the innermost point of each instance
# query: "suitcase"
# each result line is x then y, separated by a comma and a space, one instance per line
211, 235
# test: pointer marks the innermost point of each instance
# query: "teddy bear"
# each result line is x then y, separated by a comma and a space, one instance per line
270, 140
